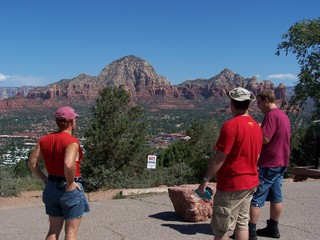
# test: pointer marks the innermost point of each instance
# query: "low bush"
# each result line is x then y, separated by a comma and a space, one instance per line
9, 184
17, 178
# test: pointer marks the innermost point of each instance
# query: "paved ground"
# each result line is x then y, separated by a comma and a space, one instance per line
153, 217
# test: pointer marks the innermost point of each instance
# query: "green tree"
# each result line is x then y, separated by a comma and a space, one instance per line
203, 137
114, 142
192, 156
304, 146
303, 40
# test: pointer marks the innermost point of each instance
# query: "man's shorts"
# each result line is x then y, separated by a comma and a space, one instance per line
270, 188
230, 211
61, 203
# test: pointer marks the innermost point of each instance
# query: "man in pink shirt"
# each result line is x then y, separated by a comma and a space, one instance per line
273, 162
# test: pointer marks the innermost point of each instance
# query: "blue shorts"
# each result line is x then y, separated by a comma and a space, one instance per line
270, 186
61, 203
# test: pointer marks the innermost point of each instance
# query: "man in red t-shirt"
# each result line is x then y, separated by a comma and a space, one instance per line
235, 167
63, 195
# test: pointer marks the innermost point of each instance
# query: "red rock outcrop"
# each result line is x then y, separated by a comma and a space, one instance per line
189, 206
144, 85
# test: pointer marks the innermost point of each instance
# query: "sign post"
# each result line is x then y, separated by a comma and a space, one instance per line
151, 164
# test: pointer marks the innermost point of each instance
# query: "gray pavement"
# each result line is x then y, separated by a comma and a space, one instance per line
153, 217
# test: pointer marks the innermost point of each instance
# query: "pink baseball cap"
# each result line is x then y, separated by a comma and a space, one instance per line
67, 113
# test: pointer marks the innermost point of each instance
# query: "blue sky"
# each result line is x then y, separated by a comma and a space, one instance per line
44, 41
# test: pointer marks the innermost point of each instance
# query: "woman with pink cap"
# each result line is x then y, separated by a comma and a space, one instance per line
63, 195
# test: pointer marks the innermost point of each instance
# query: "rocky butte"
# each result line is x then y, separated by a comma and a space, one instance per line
144, 85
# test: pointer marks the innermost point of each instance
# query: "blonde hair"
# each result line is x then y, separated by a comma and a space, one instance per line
267, 94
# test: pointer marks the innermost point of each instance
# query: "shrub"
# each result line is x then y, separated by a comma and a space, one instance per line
304, 147
9, 184
179, 173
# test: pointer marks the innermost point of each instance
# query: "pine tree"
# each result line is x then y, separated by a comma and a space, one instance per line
115, 140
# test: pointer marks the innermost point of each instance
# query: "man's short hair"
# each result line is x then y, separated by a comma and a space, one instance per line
243, 105
267, 94
63, 123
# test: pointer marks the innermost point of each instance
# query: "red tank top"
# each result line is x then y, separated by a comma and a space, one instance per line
53, 147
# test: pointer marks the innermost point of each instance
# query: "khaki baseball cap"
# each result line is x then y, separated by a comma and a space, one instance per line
241, 94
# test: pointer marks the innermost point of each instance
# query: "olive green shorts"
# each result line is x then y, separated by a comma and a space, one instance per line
231, 211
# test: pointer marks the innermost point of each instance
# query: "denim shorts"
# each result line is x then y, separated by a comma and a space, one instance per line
61, 203
270, 187
230, 211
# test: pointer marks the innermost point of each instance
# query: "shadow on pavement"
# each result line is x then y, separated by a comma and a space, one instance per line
167, 216
187, 229
191, 229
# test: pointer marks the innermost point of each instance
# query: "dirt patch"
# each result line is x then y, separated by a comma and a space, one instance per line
34, 198
26, 199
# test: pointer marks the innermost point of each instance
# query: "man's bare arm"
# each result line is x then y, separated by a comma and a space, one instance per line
215, 164
265, 140
33, 164
71, 154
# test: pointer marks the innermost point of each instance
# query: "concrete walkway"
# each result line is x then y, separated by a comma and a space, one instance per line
153, 217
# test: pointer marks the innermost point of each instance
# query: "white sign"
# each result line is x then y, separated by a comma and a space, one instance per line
152, 162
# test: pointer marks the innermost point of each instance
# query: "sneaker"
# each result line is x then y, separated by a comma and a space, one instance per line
251, 236
268, 232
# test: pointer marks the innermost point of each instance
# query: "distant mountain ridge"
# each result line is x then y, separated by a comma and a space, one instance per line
141, 81
7, 92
